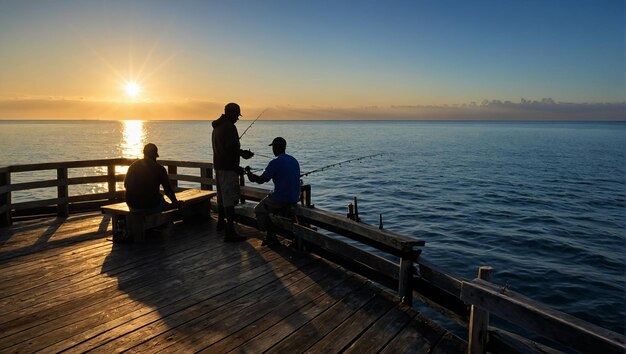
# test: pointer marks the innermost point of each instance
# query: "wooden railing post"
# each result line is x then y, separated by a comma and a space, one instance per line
479, 320
305, 195
111, 182
63, 207
5, 198
206, 173
405, 277
173, 170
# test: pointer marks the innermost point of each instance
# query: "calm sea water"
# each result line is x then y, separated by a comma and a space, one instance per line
543, 203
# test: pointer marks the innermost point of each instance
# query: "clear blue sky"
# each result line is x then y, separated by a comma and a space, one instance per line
330, 54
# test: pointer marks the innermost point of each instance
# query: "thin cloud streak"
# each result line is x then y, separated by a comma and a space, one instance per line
545, 109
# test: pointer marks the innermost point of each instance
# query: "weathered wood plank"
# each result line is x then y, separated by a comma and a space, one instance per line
479, 320
419, 336
90, 286
69, 164
189, 293
56, 201
313, 331
49, 240
301, 306
82, 274
332, 245
286, 294
186, 196
205, 275
382, 331
450, 344
399, 242
501, 341
64, 182
558, 326
277, 332
189, 312
431, 273
343, 335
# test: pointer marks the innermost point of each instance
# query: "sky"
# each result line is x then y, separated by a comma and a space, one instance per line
523, 60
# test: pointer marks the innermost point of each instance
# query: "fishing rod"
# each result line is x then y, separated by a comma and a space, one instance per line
266, 156
322, 168
339, 164
257, 118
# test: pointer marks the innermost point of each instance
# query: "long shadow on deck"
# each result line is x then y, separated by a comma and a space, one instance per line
191, 291
18, 241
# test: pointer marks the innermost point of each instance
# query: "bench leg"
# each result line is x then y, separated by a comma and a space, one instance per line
115, 220
120, 229
136, 226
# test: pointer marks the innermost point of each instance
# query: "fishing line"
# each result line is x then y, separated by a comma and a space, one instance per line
339, 164
257, 118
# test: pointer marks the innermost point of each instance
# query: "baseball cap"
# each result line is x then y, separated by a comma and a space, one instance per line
279, 141
234, 108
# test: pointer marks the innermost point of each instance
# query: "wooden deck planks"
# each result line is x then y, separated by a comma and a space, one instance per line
65, 287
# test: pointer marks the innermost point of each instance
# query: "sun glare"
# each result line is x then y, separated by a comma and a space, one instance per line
132, 89
133, 140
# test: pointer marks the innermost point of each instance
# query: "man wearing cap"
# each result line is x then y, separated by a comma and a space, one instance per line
226, 154
142, 182
284, 171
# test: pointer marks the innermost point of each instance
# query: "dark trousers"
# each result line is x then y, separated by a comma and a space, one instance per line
266, 207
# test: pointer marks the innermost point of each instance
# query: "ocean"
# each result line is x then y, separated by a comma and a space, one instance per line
544, 203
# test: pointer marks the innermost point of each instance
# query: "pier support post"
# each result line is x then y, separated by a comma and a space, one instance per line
111, 182
479, 320
5, 198
206, 173
173, 170
405, 278
305, 195
63, 209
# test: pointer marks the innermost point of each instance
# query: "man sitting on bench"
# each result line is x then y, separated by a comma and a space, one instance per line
284, 171
142, 184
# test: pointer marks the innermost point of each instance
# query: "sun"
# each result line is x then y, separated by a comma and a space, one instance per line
132, 89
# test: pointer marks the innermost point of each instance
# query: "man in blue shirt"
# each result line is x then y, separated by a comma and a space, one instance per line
284, 171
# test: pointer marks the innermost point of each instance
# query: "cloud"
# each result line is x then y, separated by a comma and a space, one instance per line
81, 108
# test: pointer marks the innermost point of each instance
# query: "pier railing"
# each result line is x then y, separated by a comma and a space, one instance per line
396, 263
63, 203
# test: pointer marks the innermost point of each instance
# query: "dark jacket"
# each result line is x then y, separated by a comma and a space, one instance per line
226, 147
142, 182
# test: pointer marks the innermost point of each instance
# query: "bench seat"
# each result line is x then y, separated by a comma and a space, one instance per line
132, 225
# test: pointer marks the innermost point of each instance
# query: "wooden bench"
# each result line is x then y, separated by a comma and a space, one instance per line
132, 225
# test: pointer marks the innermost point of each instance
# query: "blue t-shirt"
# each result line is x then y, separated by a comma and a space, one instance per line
284, 171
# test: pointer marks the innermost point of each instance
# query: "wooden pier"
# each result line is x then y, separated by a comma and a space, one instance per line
336, 285
66, 286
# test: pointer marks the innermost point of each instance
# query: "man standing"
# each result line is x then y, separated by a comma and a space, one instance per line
142, 182
284, 171
226, 153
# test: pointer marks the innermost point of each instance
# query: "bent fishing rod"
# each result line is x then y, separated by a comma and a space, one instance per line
254, 121
339, 164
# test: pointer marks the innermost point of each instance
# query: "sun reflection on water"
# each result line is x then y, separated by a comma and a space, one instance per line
133, 141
